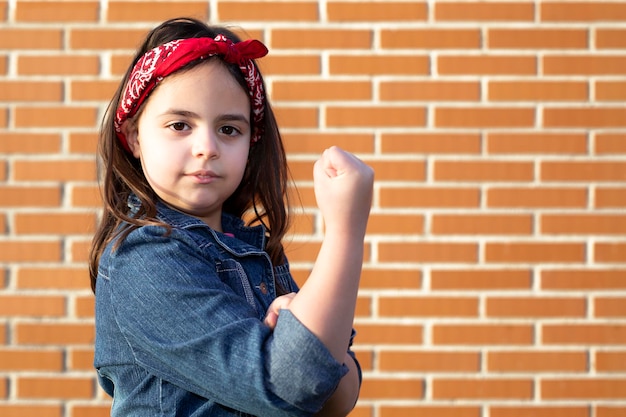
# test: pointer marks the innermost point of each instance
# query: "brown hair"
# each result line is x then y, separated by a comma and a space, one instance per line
262, 191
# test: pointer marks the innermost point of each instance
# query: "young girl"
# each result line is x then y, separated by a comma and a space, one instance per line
197, 313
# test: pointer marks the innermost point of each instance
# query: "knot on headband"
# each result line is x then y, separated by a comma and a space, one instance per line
165, 59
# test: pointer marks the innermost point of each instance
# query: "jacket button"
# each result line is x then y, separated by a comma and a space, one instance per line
263, 288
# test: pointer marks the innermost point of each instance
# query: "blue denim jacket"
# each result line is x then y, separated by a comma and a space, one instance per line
179, 328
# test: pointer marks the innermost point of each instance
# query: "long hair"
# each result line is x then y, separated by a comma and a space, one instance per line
261, 197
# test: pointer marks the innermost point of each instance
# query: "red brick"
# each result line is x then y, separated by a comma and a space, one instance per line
58, 65
32, 306
30, 251
482, 334
342, 11
409, 306
610, 90
301, 64
525, 307
31, 143
55, 116
90, 410
60, 278
59, 387
486, 65
395, 224
315, 143
610, 411
28, 360
586, 11
38, 39
80, 359
54, 333
430, 91
585, 117
595, 224
610, 38
497, 11
481, 224
55, 223
427, 252
31, 91
392, 388
322, 39
21, 410
538, 411
577, 389
429, 361
92, 90
396, 334
610, 307
399, 279
480, 279
537, 361
299, 117
429, 197
461, 117
109, 38
429, 411
542, 143
379, 65
518, 38
322, 90
610, 197
15, 196
538, 91
83, 143
430, 38
306, 11
375, 116
584, 334
482, 388
583, 171
537, 197
133, 11
555, 252
483, 171
586, 280
436, 143
609, 252
583, 65
46, 11
69, 170
610, 361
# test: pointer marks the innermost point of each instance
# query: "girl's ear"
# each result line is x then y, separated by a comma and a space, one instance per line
129, 128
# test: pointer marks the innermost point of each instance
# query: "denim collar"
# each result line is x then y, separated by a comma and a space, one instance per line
231, 225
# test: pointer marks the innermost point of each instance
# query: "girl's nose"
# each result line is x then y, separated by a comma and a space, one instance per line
205, 145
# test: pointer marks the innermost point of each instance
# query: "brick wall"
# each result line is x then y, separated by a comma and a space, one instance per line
494, 280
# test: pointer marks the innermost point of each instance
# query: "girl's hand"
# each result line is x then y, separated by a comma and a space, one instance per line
280, 303
343, 189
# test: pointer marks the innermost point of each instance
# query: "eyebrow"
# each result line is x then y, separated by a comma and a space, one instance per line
193, 115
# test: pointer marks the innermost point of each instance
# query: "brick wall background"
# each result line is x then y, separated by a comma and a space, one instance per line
495, 272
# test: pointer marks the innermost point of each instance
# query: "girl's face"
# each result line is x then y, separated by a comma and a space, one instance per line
193, 138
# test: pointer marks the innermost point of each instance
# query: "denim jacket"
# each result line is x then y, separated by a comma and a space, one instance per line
179, 328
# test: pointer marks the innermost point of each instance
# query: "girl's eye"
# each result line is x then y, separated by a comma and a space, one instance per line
229, 130
178, 126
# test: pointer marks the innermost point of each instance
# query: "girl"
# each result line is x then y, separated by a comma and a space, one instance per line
197, 313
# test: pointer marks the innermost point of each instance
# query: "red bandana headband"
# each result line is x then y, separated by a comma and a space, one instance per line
165, 59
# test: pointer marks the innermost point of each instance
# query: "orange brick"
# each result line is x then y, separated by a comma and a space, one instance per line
92, 90
610, 38
429, 197
519, 38
376, 116
610, 411
480, 279
427, 252
610, 197
62, 388
46, 11
14, 196
453, 117
83, 143
483, 171
583, 171
587, 11
37, 306
3, 10
576, 280
396, 334
482, 334
133, 11
482, 388
70, 170
4, 119
90, 410
80, 359
596, 388
55, 223
537, 361
79, 250
585, 117
119, 63
3, 165
389, 170
29, 142
99, 39
268, 11
610, 361
431, 38
424, 143
496, 11
585, 334
430, 90
84, 306
537, 197
342, 11
321, 90
29, 360
524, 307
30, 251
301, 64
392, 388
3, 335
86, 196
38, 39
429, 411
610, 90
609, 252
481, 224
55, 116
390, 279
539, 143
297, 117
584, 65
610, 307
395, 224
322, 39
315, 143
3, 64
379, 65
538, 91
363, 307
54, 333
534, 252
538, 411
428, 306
486, 65
20, 410
598, 224
31, 91
429, 361
58, 277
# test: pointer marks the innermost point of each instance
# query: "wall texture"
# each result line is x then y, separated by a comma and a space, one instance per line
494, 280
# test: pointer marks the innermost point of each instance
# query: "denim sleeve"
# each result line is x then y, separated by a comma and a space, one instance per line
185, 326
